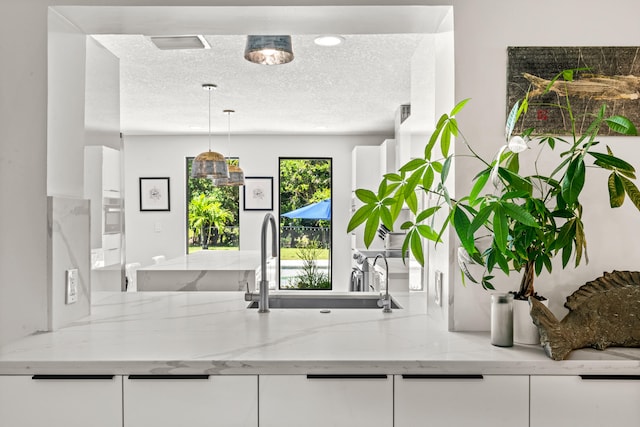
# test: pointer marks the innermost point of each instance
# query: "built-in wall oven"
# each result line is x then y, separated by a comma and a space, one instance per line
112, 215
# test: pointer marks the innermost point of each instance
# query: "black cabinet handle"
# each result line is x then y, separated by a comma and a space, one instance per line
168, 377
611, 377
442, 376
72, 377
346, 376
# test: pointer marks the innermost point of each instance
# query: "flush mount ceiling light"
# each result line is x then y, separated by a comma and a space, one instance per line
328, 40
236, 175
209, 164
179, 42
268, 50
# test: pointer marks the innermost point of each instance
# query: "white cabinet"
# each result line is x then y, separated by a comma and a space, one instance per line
101, 183
67, 400
585, 401
461, 400
388, 156
190, 400
326, 400
365, 173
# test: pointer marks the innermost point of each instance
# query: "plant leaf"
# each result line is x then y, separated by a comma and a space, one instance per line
461, 224
445, 170
500, 227
566, 255
367, 196
412, 182
412, 164
405, 244
434, 136
511, 120
632, 191
573, 181
393, 177
412, 202
396, 208
416, 247
480, 220
581, 242
385, 216
459, 106
481, 181
359, 217
616, 191
520, 214
428, 233
445, 139
501, 261
371, 228
427, 179
621, 125
613, 161
427, 213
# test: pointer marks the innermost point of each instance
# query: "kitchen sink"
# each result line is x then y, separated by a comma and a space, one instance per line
325, 301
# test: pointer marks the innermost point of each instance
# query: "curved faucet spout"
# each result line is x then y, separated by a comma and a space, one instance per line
385, 300
263, 303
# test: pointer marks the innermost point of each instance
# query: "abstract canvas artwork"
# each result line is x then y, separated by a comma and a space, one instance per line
611, 76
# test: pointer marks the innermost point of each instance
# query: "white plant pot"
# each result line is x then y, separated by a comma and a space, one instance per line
524, 330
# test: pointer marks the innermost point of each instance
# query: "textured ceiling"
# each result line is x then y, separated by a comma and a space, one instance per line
354, 88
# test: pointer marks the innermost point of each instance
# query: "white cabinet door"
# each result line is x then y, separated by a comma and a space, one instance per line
69, 401
590, 401
461, 400
191, 400
326, 401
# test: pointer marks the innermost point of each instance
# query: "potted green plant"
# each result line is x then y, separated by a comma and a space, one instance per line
526, 213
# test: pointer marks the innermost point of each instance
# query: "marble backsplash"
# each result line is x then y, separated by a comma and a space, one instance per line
68, 248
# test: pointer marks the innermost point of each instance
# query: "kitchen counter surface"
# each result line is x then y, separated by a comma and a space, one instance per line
214, 333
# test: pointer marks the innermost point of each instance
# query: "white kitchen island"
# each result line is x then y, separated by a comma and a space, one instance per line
204, 271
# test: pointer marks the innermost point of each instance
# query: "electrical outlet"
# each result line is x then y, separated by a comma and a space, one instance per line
71, 286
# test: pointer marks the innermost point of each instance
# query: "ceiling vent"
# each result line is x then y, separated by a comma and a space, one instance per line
179, 42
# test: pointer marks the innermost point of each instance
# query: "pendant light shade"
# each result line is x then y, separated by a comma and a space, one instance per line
209, 164
269, 50
236, 174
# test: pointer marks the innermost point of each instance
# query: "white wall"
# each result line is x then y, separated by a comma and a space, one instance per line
164, 156
483, 30
65, 130
102, 106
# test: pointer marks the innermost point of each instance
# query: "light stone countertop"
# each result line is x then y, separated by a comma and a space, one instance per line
214, 333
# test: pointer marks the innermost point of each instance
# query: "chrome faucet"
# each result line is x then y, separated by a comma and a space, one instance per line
385, 300
263, 302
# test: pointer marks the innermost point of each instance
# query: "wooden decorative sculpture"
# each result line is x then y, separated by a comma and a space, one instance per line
604, 312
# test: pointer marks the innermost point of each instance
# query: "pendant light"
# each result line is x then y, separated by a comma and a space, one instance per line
236, 175
268, 50
209, 164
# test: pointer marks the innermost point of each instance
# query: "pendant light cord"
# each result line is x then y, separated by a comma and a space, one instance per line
209, 90
229, 134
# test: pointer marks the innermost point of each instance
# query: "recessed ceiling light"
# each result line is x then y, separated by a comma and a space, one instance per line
328, 40
180, 42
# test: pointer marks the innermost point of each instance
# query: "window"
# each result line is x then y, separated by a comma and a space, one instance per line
305, 223
212, 214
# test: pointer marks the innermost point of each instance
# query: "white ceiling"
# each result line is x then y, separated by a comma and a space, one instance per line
354, 88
